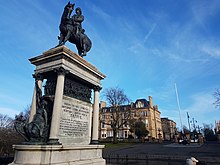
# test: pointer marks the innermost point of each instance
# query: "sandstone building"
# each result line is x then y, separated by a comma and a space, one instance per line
169, 129
217, 126
140, 110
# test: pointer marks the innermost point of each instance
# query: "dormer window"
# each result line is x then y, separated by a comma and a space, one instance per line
139, 104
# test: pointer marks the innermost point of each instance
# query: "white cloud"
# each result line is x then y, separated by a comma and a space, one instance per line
9, 99
136, 48
8, 111
211, 51
101, 13
203, 10
202, 108
202, 103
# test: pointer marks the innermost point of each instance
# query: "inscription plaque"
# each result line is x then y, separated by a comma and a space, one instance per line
75, 123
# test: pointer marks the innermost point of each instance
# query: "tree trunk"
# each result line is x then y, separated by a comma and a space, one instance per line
115, 135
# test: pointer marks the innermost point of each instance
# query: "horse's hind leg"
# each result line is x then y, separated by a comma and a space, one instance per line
79, 52
84, 49
61, 37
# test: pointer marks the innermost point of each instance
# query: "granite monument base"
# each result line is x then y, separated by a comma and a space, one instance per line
58, 154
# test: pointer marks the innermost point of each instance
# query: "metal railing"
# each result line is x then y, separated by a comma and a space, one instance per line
142, 159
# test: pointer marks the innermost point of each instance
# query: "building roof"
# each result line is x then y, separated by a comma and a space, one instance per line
166, 119
139, 103
144, 102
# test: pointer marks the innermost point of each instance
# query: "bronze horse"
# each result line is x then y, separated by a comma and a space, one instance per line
68, 32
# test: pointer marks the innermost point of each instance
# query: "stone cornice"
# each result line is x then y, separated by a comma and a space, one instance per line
62, 52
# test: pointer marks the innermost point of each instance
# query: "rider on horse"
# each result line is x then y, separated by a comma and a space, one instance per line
72, 31
78, 18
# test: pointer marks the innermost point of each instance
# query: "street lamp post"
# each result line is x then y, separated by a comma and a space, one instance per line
194, 127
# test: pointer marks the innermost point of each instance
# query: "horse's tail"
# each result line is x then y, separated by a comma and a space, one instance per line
88, 44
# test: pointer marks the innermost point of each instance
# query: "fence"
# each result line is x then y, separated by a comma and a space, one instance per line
141, 159
134, 159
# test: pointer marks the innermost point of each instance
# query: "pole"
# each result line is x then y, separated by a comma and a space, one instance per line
188, 121
194, 125
178, 103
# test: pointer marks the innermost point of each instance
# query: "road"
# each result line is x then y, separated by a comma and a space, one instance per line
208, 152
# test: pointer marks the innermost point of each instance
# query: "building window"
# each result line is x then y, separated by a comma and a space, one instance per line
139, 104
111, 124
110, 134
146, 123
103, 125
126, 134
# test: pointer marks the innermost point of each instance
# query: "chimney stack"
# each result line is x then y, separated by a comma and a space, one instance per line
150, 102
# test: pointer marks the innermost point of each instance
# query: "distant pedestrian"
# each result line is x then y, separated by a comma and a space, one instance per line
191, 161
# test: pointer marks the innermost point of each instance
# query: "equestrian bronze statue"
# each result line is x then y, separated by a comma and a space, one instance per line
71, 30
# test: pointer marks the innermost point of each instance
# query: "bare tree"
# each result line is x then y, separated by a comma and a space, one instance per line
24, 115
185, 129
120, 113
5, 121
208, 132
216, 94
116, 96
8, 136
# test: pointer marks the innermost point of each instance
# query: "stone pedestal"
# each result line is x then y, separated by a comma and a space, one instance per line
75, 122
72, 132
58, 154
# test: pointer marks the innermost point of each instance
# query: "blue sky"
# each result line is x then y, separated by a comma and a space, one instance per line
143, 47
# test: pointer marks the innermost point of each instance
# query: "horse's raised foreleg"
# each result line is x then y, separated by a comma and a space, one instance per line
67, 37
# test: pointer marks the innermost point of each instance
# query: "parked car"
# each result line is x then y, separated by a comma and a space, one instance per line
184, 142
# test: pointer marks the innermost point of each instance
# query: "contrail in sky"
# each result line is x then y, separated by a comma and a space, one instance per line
150, 32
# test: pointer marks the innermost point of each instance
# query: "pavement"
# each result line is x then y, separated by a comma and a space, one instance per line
208, 152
